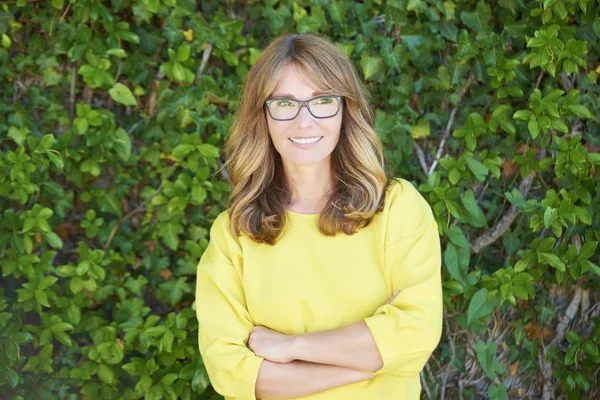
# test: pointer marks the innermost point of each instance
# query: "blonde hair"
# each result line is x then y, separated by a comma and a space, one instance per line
256, 205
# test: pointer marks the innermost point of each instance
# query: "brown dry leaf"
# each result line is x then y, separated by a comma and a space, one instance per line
120, 343
150, 245
513, 368
38, 237
64, 230
396, 32
522, 149
509, 169
521, 303
91, 296
533, 330
414, 101
546, 333
166, 274
151, 104
215, 100
591, 147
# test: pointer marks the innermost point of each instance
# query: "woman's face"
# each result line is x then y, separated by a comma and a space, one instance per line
295, 84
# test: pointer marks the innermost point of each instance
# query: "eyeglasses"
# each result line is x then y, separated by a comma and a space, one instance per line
319, 107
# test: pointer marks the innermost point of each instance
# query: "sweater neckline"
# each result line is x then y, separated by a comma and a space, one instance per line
302, 215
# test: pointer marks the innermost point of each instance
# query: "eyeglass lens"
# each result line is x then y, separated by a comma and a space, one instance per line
321, 107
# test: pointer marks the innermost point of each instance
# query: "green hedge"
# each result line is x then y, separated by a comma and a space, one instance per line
113, 115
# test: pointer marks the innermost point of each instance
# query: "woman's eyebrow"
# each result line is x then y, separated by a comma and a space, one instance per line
292, 96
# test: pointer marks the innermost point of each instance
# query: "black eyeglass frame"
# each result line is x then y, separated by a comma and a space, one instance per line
302, 104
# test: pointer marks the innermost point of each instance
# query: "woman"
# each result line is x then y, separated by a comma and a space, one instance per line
291, 291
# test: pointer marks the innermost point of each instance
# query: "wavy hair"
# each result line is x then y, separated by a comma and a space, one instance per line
256, 204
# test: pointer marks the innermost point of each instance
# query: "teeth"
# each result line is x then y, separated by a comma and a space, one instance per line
305, 141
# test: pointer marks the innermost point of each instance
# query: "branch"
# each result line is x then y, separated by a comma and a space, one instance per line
539, 79
450, 123
492, 234
205, 57
421, 157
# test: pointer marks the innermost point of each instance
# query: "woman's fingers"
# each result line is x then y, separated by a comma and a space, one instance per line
393, 297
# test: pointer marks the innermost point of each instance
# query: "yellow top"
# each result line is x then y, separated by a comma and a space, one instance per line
310, 282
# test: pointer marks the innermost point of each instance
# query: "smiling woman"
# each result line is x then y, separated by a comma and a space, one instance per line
297, 291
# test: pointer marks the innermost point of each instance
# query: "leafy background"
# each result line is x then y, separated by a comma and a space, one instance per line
113, 116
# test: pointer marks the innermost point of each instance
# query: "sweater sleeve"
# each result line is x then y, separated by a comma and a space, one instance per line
409, 329
224, 323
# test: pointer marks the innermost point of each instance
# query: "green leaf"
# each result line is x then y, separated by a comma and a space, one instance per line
457, 236
122, 94
170, 234
208, 150
178, 72
533, 127
120, 53
523, 115
105, 374
176, 289
41, 297
371, 65
486, 354
552, 260
479, 19
451, 262
183, 53
421, 130
571, 354
580, 110
477, 168
47, 282
477, 217
123, 141
587, 250
54, 240
573, 337
590, 348
168, 379
136, 367
481, 305
454, 176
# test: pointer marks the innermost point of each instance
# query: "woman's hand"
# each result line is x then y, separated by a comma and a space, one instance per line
271, 345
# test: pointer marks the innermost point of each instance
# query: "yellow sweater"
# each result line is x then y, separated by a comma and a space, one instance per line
309, 282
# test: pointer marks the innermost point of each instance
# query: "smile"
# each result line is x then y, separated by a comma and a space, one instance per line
306, 141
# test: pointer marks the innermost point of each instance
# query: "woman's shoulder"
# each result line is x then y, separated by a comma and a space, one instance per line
403, 191
407, 209
221, 226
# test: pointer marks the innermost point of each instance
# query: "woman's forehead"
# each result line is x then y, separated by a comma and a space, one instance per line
294, 82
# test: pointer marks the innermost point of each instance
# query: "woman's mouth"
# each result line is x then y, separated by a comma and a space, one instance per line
305, 142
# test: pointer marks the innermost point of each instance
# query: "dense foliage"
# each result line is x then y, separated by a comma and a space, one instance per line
112, 119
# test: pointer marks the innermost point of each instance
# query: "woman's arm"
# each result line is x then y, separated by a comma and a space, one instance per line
351, 346
301, 378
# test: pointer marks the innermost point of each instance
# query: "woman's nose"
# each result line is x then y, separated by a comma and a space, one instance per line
304, 114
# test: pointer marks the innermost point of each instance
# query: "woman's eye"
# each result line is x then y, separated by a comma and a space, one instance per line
325, 100
283, 103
